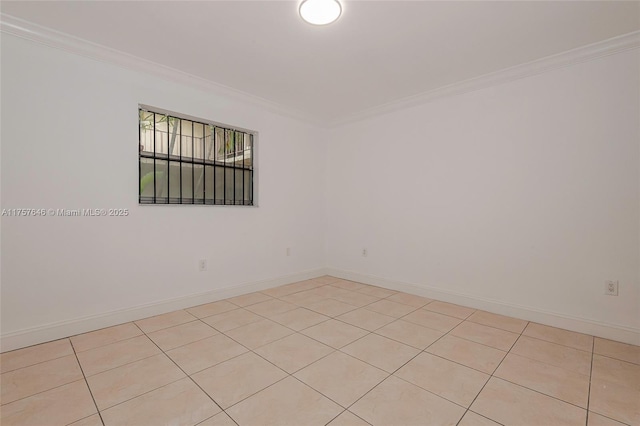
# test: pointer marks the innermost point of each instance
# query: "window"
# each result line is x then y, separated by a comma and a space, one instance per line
184, 161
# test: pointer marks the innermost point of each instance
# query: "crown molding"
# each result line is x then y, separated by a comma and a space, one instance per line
33, 32
66, 42
549, 63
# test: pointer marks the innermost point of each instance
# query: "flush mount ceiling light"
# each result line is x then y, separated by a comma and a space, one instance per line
320, 12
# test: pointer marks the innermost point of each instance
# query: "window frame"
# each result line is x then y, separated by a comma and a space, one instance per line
214, 165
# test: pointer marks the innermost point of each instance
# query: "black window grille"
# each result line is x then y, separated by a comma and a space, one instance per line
183, 161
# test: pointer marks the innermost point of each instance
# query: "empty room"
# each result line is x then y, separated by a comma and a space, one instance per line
320, 213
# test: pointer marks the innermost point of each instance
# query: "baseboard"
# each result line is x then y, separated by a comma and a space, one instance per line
554, 319
48, 332
53, 331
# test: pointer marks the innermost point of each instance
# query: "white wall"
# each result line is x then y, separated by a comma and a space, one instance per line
525, 194
69, 140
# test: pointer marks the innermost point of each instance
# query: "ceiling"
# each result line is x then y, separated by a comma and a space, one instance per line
376, 53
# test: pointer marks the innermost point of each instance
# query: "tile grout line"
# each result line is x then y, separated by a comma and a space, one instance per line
4, 404
165, 328
492, 375
34, 364
228, 312
123, 365
494, 327
333, 316
541, 362
333, 350
162, 352
156, 345
368, 332
36, 344
339, 414
376, 301
292, 374
365, 329
557, 344
218, 363
87, 383
195, 341
481, 415
255, 393
459, 363
225, 332
327, 297
534, 390
421, 351
143, 393
217, 414
276, 340
209, 418
289, 294
531, 389
149, 391
615, 359
352, 413
49, 389
108, 344
393, 375
338, 319
84, 418
477, 343
184, 372
593, 344
262, 317
539, 392
526, 355
483, 344
249, 350
429, 353
284, 312
329, 398
272, 297
327, 318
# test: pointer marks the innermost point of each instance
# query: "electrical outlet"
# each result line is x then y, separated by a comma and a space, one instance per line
611, 288
288, 251
202, 265
364, 252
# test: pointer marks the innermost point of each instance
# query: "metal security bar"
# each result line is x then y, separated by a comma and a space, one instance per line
183, 161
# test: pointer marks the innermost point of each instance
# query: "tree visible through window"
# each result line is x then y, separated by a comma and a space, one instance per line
189, 162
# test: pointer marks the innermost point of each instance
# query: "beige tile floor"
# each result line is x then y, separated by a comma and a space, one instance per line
324, 352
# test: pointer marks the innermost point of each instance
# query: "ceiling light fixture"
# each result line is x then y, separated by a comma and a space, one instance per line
320, 12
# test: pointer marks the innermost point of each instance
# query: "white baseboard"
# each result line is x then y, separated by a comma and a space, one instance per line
554, 319
48, 332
